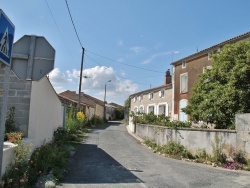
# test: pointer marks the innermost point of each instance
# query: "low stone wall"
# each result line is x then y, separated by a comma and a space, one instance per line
192, 139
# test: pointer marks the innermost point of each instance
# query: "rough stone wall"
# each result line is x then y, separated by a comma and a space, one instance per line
145, 101
19, 97
243, 133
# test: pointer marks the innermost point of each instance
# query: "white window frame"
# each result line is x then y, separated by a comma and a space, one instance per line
166, 108
151, 96
207, 68
150, 106
183, 116
184, 90
135, 109
209, 56
162, 93
143, 109
184, 64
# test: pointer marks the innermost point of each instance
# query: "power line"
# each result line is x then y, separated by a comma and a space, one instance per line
123, 63
122, 77
73, 24
59, 29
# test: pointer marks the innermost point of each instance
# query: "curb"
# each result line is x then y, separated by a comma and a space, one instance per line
135, 136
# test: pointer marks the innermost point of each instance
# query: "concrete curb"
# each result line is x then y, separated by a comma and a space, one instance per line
135, 136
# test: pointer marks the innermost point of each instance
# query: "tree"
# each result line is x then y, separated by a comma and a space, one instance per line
119, 113
224, 90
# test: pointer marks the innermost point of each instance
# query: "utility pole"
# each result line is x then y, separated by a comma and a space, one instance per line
80, 82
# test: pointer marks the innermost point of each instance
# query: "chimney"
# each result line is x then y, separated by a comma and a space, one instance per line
168, 77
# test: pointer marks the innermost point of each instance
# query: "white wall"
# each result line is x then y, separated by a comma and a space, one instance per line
46, 112
8, 156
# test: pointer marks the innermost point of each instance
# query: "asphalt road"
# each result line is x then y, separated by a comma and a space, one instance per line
111, 157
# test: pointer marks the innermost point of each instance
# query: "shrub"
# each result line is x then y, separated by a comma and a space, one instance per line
17, 175
218, 155
160, 120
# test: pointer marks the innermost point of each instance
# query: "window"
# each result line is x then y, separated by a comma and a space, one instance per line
210, 56
141, 109
183, 64
135, 98
206, 68
151, 109
135, 109
140, 97
162, 110
161, 93
183, 115
184, 83
150, 96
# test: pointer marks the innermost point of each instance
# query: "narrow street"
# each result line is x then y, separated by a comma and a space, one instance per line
111, 157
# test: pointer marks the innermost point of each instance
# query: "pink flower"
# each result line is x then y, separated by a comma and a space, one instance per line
16, 169
22, 181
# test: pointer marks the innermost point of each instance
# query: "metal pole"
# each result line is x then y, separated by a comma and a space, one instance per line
80, 83
104, 111
3, 113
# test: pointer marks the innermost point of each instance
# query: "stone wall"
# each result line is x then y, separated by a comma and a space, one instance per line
192, 139
243, 133
19, 97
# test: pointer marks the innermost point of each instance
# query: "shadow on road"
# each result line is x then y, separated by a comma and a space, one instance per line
106, 125
91, 164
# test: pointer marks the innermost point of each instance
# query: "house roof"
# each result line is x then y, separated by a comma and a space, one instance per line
212, 48
115, 105
168, 86
84, 100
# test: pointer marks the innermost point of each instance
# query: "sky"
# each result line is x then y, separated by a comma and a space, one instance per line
130, 42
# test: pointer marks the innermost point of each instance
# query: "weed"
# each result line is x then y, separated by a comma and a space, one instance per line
218, 155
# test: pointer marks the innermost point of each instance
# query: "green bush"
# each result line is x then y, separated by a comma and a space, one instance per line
160, 120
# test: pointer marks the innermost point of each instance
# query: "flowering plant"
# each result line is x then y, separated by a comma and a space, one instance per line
80, 116
232, 165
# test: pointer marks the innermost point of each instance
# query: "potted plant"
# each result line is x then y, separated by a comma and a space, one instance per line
14, 137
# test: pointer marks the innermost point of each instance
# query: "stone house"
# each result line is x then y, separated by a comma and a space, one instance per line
89, 105
157, 100
186, 73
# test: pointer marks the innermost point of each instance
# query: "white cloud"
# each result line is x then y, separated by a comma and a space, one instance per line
154, 56
56, 76
59, 89
137, 49
73, 74
94, 83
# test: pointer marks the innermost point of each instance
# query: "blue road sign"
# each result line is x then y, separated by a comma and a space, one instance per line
7, 30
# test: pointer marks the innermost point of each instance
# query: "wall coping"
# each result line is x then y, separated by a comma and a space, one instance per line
192, 129
8, 145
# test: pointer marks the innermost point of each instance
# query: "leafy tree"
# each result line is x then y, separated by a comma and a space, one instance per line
224, 90
127, 103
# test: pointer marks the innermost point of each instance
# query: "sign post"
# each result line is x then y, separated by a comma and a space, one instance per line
7, 30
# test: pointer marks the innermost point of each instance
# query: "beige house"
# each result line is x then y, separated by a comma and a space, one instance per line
89, 105
157, 100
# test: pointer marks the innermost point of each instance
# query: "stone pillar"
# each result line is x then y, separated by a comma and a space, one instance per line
243, 133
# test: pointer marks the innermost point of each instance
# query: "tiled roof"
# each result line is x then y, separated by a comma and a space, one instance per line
116, 105
85, 99
205, 51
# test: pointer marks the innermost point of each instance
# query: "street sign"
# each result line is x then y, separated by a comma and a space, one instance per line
32, 58
7, 30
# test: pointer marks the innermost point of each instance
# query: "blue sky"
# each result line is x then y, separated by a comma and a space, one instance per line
120, 35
